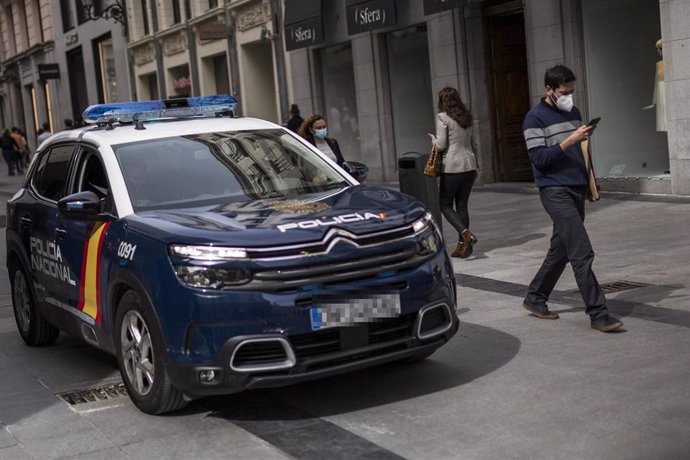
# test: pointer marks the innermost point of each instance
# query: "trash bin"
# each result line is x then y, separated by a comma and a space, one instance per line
414, 183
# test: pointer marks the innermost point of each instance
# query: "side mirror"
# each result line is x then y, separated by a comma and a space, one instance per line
83, 206
358, 170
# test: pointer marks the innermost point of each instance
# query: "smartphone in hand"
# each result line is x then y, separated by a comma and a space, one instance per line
594, 121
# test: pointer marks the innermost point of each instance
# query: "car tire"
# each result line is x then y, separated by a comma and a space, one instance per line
33, 328
140, 355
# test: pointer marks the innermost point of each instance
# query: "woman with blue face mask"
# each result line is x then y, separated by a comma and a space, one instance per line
315, 130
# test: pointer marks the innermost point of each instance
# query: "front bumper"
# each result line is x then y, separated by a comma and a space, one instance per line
320, 354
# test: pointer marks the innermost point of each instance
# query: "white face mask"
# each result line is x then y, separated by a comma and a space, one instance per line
564, 103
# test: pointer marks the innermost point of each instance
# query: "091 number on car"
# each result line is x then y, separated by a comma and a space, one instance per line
126, 250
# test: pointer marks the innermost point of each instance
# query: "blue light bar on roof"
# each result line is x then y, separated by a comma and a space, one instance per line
153, 110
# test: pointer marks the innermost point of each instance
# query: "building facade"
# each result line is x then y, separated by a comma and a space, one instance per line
91, 53
27, 86
374, 68
184, 48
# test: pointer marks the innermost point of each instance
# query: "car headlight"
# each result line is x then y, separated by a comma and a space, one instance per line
207, 252
430, 239
211, 277
426, 221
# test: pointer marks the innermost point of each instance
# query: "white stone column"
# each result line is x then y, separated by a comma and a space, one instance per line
675, 33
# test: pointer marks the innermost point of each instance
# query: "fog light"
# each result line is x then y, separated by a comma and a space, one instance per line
207, 376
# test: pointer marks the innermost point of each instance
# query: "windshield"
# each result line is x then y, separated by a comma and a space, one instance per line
217, 168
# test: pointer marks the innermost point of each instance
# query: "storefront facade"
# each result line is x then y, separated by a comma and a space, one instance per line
376, 83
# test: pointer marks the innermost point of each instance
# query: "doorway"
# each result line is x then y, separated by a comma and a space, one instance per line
258, 81
509, 92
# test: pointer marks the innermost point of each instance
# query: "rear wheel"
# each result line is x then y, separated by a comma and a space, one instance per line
32, 327
140, 349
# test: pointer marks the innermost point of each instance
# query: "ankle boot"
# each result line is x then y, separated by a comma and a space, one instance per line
459, 250
469, 240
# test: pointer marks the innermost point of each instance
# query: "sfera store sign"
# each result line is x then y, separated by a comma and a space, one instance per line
366, 15
306, 33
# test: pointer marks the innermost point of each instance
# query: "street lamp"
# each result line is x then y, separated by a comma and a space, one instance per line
115, 10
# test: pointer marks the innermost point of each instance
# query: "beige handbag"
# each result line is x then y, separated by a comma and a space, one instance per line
434, 163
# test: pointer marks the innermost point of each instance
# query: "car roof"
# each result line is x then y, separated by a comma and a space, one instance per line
162, 128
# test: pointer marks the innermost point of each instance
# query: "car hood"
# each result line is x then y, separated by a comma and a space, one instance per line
357, 209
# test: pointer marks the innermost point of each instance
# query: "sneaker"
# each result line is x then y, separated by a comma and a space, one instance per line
606, 323
541, 313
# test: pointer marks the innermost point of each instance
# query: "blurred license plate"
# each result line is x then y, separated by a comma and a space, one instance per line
349, 312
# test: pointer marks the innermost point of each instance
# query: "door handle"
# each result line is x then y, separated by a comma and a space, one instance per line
25, 220
61, 232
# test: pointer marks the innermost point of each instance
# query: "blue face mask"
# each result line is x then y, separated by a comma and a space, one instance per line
321, 133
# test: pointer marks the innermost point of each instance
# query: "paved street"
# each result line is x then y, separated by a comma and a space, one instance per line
507, 386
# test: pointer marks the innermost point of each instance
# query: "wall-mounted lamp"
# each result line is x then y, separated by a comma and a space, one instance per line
115, 10
266, 34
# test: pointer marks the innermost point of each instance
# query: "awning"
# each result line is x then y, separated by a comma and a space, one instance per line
436, 6
303, 23
366, 15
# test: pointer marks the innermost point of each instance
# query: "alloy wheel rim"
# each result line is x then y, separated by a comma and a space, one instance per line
136, 346
22, 305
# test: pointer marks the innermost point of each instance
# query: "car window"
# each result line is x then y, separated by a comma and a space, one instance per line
91, 177
217, 168
50, 179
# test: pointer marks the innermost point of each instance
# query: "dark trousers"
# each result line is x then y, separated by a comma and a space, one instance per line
10, 157
569, 243
455, 190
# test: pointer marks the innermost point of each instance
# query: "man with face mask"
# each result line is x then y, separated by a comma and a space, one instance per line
553, 131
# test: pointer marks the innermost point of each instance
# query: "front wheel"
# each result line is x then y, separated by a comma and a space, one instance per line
139, 346
35, 330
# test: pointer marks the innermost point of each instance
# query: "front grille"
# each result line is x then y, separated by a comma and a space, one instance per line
351, 269
318, 343
322, 247
390, 329
256, 353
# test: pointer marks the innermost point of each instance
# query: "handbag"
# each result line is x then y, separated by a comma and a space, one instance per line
592, 185
434, 163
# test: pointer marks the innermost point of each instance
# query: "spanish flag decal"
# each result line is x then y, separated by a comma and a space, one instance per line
90, 287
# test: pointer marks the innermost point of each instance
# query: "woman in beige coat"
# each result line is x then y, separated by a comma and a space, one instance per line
457, 143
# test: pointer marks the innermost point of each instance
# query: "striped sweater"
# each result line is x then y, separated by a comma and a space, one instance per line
544, 128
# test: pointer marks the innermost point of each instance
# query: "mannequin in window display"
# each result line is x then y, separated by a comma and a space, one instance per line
659, 98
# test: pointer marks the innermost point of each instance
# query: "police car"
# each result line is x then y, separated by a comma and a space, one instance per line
212, 254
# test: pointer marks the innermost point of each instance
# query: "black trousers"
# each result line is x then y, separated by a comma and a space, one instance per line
569, 243
455, 190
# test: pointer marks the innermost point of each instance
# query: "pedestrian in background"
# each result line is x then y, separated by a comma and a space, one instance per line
45, 133
553, 131
295, 120
10, 148
23, 149
315, 130
456, 141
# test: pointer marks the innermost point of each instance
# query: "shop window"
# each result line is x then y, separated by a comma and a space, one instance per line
340, 98
410, 88
67, 13
180, 81
621, 61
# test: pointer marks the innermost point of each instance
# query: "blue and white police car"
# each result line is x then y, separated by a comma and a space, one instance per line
212, 254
